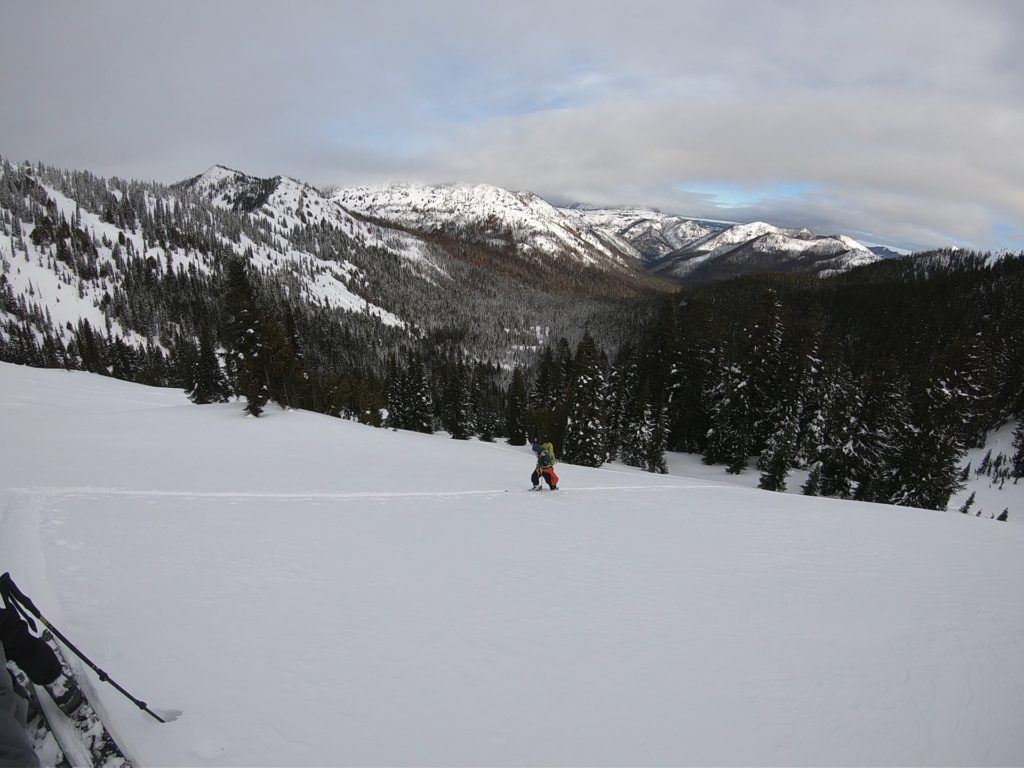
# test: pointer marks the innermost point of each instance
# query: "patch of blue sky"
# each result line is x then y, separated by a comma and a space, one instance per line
729, 195
470, 99
1011, 235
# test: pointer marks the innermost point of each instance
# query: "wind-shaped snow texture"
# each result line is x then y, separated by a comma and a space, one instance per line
310, 591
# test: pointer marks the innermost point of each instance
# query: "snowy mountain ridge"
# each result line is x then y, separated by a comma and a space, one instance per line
492, 216
652, 233
666, 245
290, 204
76, 288
762, 247
143, 265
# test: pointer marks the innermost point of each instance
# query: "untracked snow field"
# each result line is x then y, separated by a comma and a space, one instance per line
308, 591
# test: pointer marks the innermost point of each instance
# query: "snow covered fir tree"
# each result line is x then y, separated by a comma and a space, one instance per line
872, 383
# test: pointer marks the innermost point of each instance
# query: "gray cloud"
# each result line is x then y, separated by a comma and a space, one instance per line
896, 121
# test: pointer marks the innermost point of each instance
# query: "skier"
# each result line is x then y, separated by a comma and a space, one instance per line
37, 660
15, 746
545, 466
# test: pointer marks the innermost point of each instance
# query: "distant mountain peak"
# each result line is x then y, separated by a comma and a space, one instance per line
761, 247
490, 216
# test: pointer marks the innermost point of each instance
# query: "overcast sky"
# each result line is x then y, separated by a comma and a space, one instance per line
895, 122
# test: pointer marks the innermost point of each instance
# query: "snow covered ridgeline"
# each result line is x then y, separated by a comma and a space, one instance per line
761, 247
654, 234
70, 292
289, 205
491, 215
669, 245
305, 588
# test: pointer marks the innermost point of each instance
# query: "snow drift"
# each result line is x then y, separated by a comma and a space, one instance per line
310, 591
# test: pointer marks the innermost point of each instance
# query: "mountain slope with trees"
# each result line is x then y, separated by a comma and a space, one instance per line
142, 282
874, 381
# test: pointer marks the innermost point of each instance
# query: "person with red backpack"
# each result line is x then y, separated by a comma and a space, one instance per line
545, 466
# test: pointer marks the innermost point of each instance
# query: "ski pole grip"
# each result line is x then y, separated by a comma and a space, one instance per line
13, 596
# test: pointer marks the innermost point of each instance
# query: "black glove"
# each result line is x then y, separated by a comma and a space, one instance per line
35, 658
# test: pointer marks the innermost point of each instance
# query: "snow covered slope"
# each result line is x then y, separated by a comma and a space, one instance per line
492, 216
310, 591
652, 233
610, 239
289, 204
68, 293
760, 247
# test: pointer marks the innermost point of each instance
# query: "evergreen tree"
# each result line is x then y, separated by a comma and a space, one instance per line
657, 427
585, 429
515, 409
985, 466
417, 400
1017, 465
730, 415
622, 389
967, 504
841, 452
90, 348
458, 418
928, 472
644, 443
283, 370
543, 395
208, 384
396, 394
548, 397
779, 454
880, 437
485, 402
246, 356
764, 353
812, 486
689, 377
637, 437
814, 409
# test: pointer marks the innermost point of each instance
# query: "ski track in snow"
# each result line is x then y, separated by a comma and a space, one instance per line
311, 592
299, 496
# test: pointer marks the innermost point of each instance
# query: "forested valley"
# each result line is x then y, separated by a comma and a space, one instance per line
876, 381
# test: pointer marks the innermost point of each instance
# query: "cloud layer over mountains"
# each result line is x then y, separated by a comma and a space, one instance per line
892, 123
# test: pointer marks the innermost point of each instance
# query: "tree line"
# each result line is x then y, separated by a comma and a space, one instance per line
874, 382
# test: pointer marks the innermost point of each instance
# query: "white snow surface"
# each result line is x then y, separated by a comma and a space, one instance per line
293, 203
652, 232
771, 246
735, 235
536, 227
309, 591
33, 271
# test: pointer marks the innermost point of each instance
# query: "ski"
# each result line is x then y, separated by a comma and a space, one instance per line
51, 747
102, 750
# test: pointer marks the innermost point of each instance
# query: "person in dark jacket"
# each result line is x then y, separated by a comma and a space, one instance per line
37, 660
15, 746
545, 467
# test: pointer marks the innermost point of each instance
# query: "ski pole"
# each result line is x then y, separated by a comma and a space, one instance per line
13, 596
